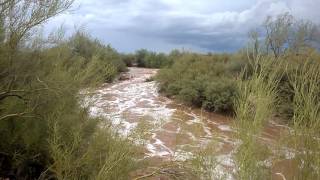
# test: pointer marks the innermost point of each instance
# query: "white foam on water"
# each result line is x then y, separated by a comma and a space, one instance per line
111, 101
207, 131
181, 155
289, 154
225, 128
192, 136
222, 173
178, 130
158, 148
139, 98
226, 160
154, 151
215, 169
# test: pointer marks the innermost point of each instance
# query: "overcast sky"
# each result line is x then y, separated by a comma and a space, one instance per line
162, 25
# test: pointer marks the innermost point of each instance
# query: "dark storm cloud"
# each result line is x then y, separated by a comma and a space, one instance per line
202, 25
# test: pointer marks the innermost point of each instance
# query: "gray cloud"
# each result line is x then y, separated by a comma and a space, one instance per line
202, 25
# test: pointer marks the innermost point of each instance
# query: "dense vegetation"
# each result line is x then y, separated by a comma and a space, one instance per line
276, 76
149, 59
206, 81
44, 132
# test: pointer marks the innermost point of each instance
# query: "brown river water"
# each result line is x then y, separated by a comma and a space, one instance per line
172, 131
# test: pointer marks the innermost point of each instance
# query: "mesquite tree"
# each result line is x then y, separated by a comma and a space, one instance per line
285, 33
18, 19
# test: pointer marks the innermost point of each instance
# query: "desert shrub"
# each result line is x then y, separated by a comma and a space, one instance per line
149, 59
189, 95
201, 80
254, 105
128, 59
205, 164
97, 71
219, 95
107, 156
111, 55
45, 133
90, 60
140, 57
291, 64
154, 60
304, 137
238, 61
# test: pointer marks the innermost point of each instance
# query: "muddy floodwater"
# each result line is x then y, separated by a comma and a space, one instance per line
171, 131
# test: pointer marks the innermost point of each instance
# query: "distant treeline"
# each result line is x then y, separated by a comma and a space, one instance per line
149, 59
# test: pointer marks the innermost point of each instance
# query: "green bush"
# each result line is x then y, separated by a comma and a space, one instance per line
188, 95
219, 95
254, 105
148, 59
202, 80
128, 59
91, 61
140, 57
291, 64
304, 137
44, 131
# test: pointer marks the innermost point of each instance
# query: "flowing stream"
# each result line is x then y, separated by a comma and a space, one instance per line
171, 131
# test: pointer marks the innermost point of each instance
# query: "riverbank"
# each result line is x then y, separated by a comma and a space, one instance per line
168, 131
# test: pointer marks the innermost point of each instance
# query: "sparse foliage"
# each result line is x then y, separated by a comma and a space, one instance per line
285, 33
